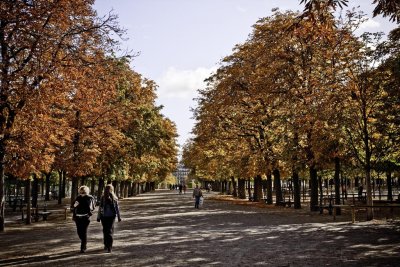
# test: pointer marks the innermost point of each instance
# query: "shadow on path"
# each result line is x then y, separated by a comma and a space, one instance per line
164, 229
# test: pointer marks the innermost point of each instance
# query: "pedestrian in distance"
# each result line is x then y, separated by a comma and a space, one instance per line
82, 210
108, 211
180, 189
197, 194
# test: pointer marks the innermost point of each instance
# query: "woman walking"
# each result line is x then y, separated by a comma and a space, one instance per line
83, 208
108, 211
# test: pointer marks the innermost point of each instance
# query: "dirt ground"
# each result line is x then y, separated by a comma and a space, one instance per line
164, 229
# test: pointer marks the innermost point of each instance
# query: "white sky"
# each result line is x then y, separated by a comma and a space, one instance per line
182, 41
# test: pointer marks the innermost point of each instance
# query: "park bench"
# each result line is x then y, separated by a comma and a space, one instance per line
15, 202
284, 203
43, 214
36, 213
329, 208
266, 200
363, 207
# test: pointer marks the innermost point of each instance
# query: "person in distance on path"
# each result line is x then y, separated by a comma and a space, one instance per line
83, 208
197, 194
108, 211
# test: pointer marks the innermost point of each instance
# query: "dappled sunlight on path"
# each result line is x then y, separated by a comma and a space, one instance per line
164, 229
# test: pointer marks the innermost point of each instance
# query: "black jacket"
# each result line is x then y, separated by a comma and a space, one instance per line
84, 206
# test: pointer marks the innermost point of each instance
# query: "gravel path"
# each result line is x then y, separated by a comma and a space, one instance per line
164, 229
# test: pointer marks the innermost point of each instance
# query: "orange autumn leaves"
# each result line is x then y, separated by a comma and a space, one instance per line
66, 101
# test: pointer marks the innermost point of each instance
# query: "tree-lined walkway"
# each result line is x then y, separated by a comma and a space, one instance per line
163, 229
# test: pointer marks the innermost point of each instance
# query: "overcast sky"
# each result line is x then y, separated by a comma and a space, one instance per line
182, 41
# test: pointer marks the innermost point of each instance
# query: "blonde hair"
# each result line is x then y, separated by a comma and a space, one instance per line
109, 192
83, 190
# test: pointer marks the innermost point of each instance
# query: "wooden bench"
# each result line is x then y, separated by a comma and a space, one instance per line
43, 214
14, 202
266, 200
321, 208
354, 208
36, 215
284, 203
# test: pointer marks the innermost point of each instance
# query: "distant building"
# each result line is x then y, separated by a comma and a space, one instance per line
181, 174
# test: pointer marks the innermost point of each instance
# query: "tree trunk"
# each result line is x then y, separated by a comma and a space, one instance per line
249, 189
64, 182
35, 191
314, 189
2, 189
320, 189
258, 195
277, 186
370, 211
42, 181
122, 189
117, 191
47, 195
142, 188
92, 186
100, 188
74, 190
242, 188
82, 181
133, 189
60, 186
336, 179
235, 193
389, 185
269, 188
28, 201
126, 192
296, 189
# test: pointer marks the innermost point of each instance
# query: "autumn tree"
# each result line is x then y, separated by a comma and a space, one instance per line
388, 135
386, 8
37, 40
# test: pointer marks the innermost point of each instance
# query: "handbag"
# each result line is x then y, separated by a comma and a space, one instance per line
99, 214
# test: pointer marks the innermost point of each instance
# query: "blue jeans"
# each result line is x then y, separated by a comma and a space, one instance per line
197, 202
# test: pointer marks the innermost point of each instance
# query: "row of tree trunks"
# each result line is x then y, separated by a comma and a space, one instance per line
315, 188
32, 191
259, 186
